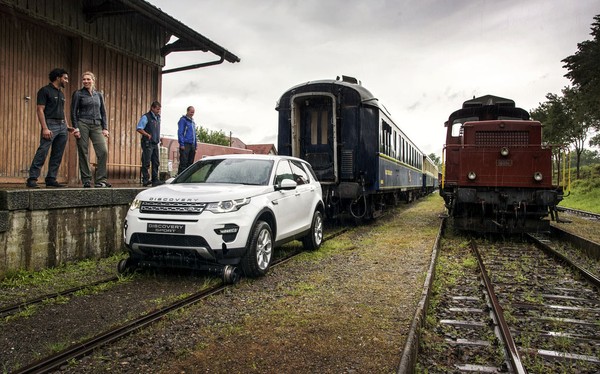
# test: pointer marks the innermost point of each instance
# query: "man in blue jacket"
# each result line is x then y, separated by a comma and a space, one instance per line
186, 136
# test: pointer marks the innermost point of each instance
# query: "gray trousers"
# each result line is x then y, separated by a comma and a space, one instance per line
94, 133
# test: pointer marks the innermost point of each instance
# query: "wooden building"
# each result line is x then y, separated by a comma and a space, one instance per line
124, 42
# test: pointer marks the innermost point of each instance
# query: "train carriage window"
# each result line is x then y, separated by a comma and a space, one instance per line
386, 138
318, 127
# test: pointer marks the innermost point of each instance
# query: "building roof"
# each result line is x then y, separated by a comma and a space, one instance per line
188, 39
263, 149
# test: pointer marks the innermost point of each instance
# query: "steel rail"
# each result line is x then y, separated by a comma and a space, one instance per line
82, 349
545, 247
513, 353
85, 348
578, 212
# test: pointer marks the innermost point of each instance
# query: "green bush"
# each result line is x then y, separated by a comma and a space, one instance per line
585, 192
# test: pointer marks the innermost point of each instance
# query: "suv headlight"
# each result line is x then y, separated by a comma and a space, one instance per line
135, 204
227, 206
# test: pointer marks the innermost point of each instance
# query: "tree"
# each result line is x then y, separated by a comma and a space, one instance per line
551, 115
584, 70
581, 121
589, 157
436, 160
567, 120
212, 137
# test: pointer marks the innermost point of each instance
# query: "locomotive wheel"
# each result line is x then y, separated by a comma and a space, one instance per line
258, 256
313, 240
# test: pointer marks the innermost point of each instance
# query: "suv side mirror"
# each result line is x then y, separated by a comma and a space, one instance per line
286, 184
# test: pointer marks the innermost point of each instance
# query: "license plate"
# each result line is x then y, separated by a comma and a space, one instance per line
166, 228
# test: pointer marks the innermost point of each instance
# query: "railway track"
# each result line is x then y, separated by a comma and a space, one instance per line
543, 311
81, 349
581, 213
15, 308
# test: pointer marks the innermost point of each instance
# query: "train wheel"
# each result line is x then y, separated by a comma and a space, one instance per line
313, 240
231, 275
258, 256
125, 266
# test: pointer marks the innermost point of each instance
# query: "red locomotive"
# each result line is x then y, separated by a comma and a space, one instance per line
497, 174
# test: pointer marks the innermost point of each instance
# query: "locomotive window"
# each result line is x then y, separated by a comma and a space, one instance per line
458, 123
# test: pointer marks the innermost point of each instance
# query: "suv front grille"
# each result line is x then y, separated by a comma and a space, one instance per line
166, 240
172, 207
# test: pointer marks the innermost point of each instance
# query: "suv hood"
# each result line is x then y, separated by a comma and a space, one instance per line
202, 192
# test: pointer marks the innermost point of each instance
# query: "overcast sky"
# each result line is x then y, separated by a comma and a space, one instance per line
420, 58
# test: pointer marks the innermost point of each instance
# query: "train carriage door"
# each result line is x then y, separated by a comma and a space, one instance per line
316, 130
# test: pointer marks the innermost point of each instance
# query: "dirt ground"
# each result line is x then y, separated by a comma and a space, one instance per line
346, 308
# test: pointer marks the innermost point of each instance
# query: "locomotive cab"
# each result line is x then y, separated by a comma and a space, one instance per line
497, 174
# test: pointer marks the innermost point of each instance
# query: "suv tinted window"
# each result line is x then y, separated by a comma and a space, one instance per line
284, 171
237, 171
300, 175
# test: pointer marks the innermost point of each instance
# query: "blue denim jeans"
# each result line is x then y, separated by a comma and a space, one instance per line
57, 142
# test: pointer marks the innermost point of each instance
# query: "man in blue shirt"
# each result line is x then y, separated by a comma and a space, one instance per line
149, 128
186, 136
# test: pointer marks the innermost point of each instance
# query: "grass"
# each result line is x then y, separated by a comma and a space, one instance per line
67, 275
585, 192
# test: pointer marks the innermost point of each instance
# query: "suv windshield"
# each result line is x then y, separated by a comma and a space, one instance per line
235, 171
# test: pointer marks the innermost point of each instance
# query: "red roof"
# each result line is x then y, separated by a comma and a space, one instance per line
262, 149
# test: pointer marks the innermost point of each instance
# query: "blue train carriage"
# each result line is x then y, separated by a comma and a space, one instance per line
361, 157
430, 176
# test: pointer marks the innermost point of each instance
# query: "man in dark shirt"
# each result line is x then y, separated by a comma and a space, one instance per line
51, 115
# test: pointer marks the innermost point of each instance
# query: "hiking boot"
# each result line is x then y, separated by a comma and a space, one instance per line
31, 184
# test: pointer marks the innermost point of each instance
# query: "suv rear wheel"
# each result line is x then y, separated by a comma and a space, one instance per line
258, 256
313, 240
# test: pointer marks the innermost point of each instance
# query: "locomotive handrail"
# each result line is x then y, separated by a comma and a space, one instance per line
443, 166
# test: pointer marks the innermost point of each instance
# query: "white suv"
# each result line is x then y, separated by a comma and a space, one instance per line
223, 212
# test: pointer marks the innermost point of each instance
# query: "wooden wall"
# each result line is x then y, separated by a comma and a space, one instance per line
25, 61
122, 51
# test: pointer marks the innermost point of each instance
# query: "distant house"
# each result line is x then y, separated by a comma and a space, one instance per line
236, 142
124, 42
263, 149
170, 151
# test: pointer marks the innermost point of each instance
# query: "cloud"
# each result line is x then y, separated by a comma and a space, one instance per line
420, 59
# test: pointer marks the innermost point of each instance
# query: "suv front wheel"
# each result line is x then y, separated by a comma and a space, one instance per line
258, 256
